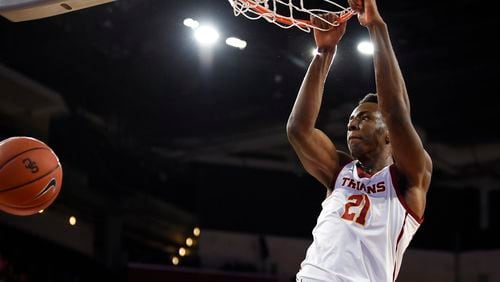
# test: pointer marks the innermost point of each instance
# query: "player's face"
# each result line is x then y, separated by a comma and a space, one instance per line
366, 130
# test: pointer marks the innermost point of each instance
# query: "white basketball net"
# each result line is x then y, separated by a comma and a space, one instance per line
272, 11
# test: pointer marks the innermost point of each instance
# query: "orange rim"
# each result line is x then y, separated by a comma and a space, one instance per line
290, 21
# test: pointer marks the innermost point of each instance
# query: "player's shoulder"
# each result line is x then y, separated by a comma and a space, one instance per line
344, 158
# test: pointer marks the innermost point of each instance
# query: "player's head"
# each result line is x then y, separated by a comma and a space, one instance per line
366, 130
369, 98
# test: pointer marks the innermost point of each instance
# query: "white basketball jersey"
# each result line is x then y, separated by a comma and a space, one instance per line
362, 231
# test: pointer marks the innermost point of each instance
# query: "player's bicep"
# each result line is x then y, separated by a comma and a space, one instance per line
317, 154
409, 154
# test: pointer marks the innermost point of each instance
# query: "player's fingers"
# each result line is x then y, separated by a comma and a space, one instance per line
335, 19
352, 4
330, 20
342, 24
320, 21
356, 5
331, 17
315, 20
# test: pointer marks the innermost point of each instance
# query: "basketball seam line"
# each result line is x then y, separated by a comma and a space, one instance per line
12, 158
15, 187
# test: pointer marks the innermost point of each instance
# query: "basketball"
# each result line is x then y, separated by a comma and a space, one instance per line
30, 175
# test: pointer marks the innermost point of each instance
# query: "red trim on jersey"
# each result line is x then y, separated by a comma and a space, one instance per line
397, 244
395, 183
361, 172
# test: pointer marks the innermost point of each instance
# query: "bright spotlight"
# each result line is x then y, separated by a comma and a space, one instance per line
314, 52
189, 22
366, 48
206, 35
175, 260
197, 231
236, 43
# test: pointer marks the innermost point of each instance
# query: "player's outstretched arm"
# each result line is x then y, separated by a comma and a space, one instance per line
410, 158
315, 150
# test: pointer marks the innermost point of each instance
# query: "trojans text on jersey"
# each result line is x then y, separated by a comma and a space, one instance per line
369, 189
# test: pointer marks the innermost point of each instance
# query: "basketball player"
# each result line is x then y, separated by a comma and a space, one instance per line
376, 195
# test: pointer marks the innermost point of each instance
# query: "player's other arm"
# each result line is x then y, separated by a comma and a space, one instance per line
315, 150
411, 160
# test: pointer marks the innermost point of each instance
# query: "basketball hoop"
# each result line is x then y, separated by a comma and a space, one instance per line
286, 14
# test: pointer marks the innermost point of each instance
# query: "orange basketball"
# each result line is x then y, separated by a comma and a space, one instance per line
30, 176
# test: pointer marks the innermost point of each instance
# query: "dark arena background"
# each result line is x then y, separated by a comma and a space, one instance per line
176, 161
